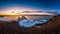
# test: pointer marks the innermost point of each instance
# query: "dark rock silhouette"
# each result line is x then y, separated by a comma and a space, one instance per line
22, 18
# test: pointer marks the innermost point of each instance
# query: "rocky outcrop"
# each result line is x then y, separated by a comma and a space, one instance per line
52, 26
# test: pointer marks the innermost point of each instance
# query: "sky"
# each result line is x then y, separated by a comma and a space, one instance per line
35, 4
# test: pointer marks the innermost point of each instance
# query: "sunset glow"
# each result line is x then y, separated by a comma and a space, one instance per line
15, 10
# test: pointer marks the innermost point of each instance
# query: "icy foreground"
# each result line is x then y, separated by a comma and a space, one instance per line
30, 23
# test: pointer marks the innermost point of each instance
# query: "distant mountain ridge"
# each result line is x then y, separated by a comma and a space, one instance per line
36, 12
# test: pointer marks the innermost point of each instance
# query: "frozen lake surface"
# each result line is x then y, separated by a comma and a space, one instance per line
30, 23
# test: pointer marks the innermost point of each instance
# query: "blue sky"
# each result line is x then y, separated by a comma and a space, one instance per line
38, 4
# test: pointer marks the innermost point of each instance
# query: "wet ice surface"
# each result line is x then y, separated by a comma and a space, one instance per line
30, 23
26, 23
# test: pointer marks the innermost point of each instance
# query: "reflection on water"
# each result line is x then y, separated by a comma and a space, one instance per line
38, 17
5, 19
9, 18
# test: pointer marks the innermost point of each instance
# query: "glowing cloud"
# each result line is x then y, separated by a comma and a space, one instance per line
17, 9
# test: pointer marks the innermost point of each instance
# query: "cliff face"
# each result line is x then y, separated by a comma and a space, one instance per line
52, 26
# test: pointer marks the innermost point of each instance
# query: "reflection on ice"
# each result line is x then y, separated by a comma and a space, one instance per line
26, 23
30, 23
